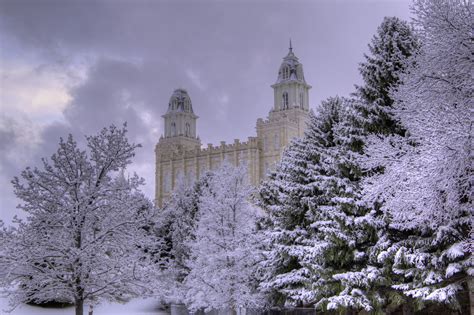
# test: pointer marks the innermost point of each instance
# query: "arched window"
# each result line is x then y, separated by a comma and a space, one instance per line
284, 100
187, 130
180, 105
173, 129
301, 99
286, 73
185, 105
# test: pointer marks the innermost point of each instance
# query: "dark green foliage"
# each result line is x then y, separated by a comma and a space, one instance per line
390, 55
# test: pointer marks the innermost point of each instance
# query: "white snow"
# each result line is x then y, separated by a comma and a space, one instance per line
134, 307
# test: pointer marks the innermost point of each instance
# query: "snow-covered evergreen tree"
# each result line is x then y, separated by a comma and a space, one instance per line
304, 172
426, 188
319, 232
390, 51
224, 255
322, 237
85, 226
349, 279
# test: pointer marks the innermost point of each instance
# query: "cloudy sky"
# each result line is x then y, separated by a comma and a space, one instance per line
77, 66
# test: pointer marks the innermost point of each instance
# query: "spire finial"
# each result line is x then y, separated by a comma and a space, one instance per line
291, 47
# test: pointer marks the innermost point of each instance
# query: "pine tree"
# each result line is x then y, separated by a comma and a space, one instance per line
348, 228
287, 229
223, 254
318, 231
390, 54
325, 254
82, 239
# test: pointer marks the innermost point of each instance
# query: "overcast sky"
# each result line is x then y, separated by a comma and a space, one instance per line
78, 66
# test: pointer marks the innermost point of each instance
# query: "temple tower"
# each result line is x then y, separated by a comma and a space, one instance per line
290, 89
179, 136
180, 120
288, 116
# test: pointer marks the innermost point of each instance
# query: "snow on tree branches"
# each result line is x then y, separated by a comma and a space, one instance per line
321, 235
426, 186
319, 231
86, 224
224, 253
175, 228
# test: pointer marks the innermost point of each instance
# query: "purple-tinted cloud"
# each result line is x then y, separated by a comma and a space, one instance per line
121, 60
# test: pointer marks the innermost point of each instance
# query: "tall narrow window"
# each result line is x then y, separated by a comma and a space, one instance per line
166, 181
301, 99
276, 142
173, 129
284, 100
286, 73
186, 106
187, 131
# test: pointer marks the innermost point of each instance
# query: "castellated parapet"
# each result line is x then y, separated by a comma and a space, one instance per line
181, 156
173, 162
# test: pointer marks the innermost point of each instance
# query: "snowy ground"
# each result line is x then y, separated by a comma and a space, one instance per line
134, 307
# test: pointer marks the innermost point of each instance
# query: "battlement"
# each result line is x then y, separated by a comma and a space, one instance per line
169, 152
224, 147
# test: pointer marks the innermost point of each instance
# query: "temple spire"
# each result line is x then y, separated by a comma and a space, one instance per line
291, 89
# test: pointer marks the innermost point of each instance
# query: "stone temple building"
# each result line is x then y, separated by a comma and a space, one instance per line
180, 154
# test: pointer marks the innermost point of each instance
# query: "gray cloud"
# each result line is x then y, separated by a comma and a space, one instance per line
124, 59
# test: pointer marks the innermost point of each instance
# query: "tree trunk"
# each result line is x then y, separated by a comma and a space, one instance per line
470, 288
79, 307
350, 311
407, 309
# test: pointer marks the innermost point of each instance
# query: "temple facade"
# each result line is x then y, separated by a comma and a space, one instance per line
181, 156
